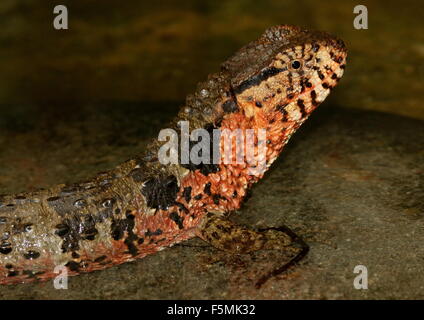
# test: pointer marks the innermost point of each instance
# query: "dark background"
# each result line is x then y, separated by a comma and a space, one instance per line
159, 50
350, 182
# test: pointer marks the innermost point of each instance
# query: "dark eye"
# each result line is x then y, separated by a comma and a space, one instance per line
295, 64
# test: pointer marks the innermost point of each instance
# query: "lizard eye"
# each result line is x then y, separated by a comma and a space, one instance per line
296, 64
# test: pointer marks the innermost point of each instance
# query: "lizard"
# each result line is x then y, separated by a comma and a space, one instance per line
143, 206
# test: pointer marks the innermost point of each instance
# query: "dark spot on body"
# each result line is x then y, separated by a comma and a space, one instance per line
62, 230
74, 229
120, 227
31, 255
177, 219
215, 235
224, 229
140, 241
207, 166
117, 234
73, 266
12, 273
338, 59
187, 194
53, 199
302, 107
314, 96
207, 189
75, 255
149, 233
5, 248
198, 196
258, 104
281, 108
230, 106
8, 266
302, 86
161, 192
89, 231
181, 207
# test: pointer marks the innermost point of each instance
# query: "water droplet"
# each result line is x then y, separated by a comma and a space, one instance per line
80, 203
5, 236
108, 203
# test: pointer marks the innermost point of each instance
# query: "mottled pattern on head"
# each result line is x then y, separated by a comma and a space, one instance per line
285, 64
295, 71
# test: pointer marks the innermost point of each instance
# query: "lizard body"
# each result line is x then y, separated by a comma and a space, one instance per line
143, 206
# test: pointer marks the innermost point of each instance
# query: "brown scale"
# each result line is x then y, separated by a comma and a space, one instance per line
142, 206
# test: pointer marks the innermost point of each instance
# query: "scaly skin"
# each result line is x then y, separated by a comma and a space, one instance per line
143, 206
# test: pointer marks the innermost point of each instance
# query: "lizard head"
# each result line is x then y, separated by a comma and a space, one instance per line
287, 68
